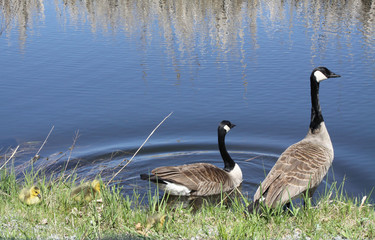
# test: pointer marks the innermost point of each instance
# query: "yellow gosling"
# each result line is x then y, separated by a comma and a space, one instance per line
86, 192
30, 196
156, 220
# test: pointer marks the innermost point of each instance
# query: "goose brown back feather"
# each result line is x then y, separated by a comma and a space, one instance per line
302, 166
201, 178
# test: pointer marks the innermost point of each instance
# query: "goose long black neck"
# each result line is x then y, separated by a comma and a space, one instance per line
316, 112
228, 161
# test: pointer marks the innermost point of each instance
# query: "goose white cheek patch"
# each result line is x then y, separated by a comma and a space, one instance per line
319, 76
226, 128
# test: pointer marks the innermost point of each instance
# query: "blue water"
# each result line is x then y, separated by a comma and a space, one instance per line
111, 73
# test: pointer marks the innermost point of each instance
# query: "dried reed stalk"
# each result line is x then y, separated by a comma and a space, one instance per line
131, 159
14, 152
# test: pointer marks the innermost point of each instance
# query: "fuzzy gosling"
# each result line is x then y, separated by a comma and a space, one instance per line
30, 196
86, 191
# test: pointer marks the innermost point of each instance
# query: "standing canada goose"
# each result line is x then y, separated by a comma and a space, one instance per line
302, 166
30, 196
86, 191
200, 179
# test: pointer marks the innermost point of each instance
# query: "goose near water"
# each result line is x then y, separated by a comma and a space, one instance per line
200, 179
302, 166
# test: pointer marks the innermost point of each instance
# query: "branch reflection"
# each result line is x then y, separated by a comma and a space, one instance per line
189, 26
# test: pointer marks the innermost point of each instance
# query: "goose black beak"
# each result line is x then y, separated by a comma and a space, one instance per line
233, 125
39, 196
334, 75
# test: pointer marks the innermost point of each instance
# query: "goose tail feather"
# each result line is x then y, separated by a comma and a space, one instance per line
145, 176
152, 178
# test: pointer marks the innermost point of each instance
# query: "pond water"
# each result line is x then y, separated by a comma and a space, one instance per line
101, 75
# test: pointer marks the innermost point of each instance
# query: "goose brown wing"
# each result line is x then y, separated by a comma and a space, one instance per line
212, 188
302, 165
201, 178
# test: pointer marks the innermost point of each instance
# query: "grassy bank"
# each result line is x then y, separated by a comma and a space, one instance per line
117, 216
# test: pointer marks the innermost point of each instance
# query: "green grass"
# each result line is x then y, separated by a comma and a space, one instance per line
118, 216
155, 216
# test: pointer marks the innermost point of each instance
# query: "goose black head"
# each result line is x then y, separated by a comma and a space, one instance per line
323, 73
318, 74
226, 125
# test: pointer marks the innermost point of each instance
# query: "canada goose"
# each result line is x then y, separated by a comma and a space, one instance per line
200, 179
30, 196
302, 166
86, 191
